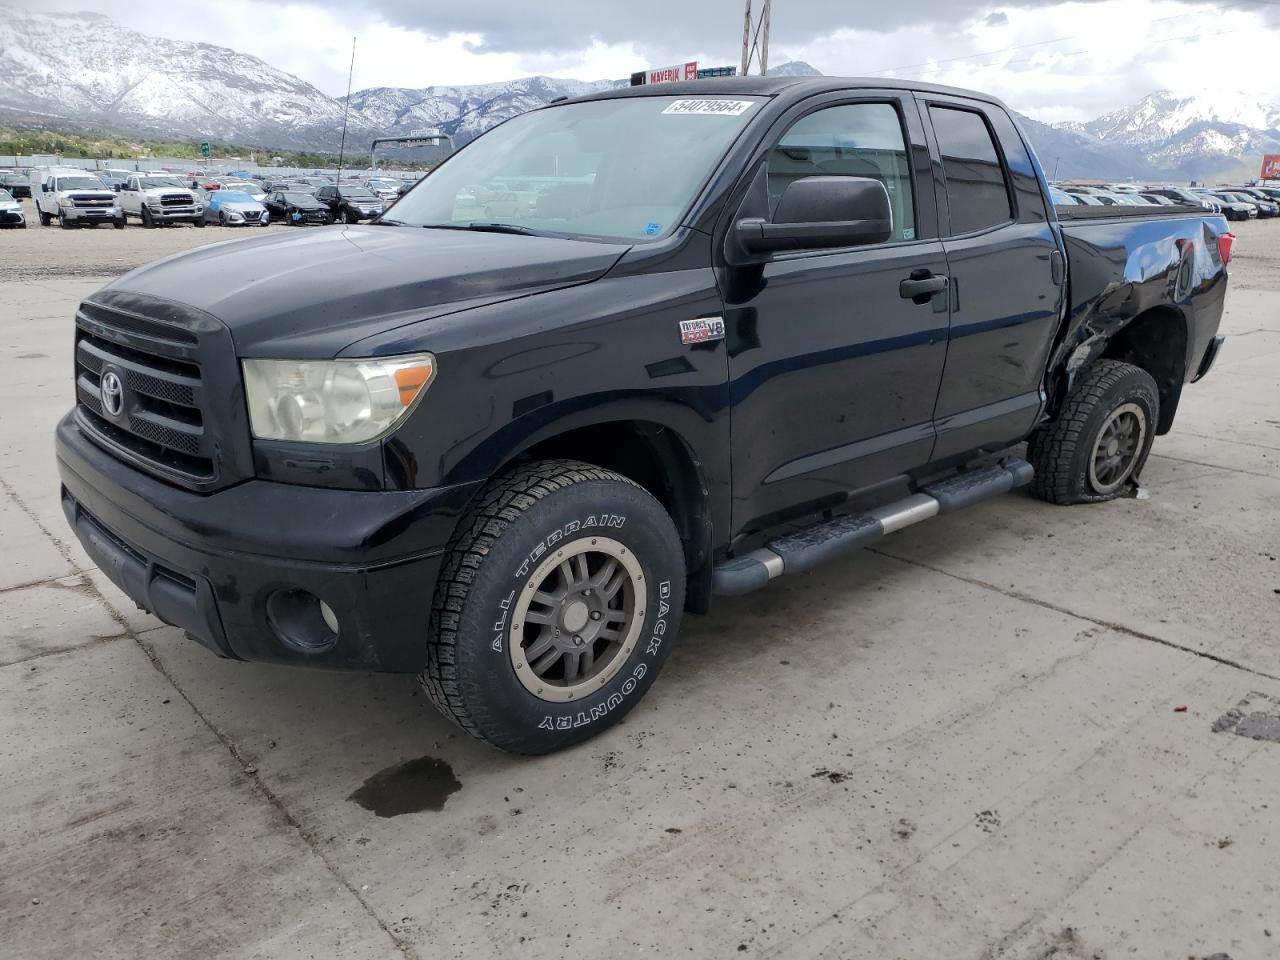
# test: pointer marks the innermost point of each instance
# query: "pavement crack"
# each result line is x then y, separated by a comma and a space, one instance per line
1215, 466
1097, 621
308, 838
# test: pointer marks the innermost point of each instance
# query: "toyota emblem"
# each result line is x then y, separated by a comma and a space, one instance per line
112, 394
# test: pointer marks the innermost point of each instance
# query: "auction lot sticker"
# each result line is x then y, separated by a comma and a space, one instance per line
715, 108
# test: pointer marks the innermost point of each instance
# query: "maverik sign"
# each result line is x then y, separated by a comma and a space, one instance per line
1271, 166
688, 71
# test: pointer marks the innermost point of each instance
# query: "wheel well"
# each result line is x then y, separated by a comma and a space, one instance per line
1156, 341
660, 461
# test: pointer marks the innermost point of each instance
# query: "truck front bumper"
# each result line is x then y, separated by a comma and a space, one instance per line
245, 570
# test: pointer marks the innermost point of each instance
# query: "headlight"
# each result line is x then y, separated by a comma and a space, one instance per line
333, 401
66, 202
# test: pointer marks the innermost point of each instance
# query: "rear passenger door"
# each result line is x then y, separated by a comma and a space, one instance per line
1007, 277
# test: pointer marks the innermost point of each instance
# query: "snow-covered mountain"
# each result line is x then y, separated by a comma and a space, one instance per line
1193, 136
465, 112
71, 70
462, 112
85, 67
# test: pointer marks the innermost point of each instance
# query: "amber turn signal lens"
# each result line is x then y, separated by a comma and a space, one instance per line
411, 380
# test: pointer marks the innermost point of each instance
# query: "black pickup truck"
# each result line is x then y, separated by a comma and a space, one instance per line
720, 332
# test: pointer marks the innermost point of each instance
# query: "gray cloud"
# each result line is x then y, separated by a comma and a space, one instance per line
997, 19
712, 25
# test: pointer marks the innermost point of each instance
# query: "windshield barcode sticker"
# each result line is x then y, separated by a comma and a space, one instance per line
715, 108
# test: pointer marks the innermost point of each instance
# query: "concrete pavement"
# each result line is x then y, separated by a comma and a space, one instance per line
964, 743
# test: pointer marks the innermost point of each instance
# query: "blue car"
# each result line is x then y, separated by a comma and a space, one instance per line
235, 208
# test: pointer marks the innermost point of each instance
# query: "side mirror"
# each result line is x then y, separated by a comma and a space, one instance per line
44, 188
820, 212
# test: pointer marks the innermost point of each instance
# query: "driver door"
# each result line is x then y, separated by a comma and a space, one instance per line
834, 369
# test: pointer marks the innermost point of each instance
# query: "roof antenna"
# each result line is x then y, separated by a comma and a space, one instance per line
346, 107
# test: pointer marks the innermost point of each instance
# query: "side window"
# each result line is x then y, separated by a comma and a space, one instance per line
976, 188
850, 140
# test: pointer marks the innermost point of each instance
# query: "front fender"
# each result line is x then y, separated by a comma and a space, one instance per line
514, 374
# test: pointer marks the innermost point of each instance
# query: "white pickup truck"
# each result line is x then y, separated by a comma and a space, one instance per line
74, 197
156, 199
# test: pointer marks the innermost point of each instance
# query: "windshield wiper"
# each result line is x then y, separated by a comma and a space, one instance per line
480, 227
385, 222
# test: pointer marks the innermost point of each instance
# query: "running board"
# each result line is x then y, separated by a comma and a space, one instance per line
797, 552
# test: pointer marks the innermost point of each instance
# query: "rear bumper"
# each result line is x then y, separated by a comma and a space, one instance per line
216, 565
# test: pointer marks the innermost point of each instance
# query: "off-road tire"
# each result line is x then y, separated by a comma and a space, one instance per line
1061, 451
520, 521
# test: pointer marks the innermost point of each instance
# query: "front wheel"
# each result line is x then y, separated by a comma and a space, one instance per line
1101, 438
66, 224
119, 223
351, 217
45, 219
558, 602
198, 222
148, 221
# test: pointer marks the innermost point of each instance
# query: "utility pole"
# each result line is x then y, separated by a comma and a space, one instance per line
764, 38
760, 39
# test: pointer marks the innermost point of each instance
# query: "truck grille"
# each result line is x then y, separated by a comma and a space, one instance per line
158, 412
93, 202
175, 200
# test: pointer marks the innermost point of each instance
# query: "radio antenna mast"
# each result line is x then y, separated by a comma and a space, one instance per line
346, 108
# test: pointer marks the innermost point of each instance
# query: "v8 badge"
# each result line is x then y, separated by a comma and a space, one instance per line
701, 330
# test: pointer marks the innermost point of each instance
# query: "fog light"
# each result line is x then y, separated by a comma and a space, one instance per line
302, 621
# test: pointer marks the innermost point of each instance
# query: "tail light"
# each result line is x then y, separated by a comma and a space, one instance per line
1225, 240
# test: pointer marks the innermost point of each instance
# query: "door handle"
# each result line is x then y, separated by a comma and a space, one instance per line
922, 286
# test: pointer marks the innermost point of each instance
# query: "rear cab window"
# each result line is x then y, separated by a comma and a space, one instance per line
848, 140
977, 187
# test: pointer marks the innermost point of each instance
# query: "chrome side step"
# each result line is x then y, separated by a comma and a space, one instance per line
797, 552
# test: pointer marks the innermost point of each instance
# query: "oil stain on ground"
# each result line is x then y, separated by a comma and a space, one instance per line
1257, 717
409, 787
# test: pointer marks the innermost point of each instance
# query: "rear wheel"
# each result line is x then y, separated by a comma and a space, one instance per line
1100, 440
557, 605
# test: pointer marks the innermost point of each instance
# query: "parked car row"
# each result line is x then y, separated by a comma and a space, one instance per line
76, 197
1234, 203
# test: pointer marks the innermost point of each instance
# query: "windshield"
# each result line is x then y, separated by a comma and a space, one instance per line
233, 196
621, 169
356, 193
80, 183
384, 184
6, 197
152, 183
301, 199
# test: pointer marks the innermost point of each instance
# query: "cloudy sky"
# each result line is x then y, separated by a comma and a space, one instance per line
1053, 61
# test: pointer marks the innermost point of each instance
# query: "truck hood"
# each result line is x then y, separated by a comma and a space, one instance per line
309, 295
87, 194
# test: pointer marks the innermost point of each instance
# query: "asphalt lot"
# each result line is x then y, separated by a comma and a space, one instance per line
965, 743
